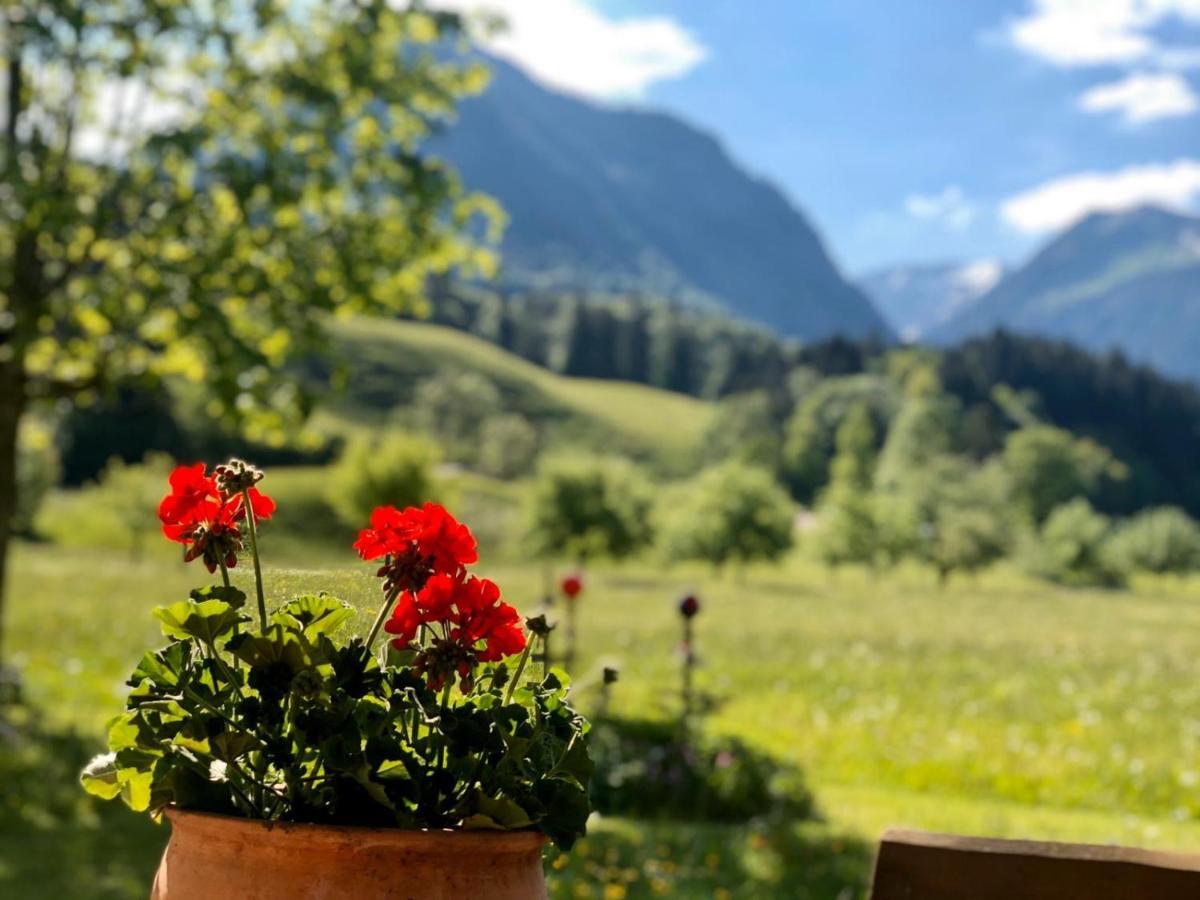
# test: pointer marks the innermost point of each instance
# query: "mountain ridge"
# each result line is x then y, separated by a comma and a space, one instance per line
1128, 281
621, 199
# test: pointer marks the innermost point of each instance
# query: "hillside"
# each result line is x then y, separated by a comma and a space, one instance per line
917, 298
388, 359
1129, 281
603, 198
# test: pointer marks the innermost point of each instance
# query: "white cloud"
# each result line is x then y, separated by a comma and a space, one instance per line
1056, 204
1142, 97
570, 45
1098, 32
949, 208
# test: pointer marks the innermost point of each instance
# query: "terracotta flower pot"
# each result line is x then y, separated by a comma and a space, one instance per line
212, 857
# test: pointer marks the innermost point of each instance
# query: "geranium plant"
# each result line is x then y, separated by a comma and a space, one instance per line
276, 715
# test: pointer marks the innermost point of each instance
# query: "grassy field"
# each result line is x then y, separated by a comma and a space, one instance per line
996, 706
390, 356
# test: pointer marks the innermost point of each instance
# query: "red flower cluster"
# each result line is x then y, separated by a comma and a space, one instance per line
467, 610
426, 552
415, 544
204, 519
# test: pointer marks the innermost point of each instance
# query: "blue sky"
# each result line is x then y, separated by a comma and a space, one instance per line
909, 130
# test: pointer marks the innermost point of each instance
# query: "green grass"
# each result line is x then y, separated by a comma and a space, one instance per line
995, 706
389, 356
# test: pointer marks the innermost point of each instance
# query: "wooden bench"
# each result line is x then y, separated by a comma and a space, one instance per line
915, 865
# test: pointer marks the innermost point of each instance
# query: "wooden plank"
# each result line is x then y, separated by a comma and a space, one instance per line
915, 865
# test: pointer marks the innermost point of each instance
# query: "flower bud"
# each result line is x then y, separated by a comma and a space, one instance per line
538, 625
236, 476
689, 606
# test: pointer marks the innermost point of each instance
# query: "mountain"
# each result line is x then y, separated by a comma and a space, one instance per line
916, 298
1129, 281
603, 198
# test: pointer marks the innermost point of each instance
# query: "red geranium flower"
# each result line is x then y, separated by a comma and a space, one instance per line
192, 498
262, 505
406, 620
197, 515
468, 611
416, 543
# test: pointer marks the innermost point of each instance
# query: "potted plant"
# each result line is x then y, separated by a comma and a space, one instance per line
294, 762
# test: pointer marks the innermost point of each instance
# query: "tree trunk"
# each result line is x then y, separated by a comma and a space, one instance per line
12, 404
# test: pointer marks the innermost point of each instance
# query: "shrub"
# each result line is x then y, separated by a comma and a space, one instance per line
1048, 466
452, 407
131, 494
508, 446
848, 530
731, 512
393, 469
656, 770
586, 507
1157, 540
1070, 548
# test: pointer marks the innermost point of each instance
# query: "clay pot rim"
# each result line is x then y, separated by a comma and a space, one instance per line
447, 840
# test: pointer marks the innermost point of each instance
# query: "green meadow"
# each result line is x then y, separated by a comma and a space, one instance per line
997, 705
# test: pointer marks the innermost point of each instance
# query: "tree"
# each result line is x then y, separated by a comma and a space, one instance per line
1070, 548
452, 406
848, 529
179, 203
38, 470
733, 512
947, 512
1048, 466
1158, 540
587, 507
811, 432
923, 429
394, 469
745, 427
508, 446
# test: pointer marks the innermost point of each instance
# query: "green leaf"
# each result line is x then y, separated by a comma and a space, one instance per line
230, 594
206, 620
392, 769
99, 777
104, 777
276, 646
122, 732
496, 812
229, 745
161, 668
576, 762
314, 614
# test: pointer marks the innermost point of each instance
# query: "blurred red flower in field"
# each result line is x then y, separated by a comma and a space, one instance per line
572, 586
689, 606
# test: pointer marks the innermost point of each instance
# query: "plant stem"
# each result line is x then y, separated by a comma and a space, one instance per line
512, 685
388, 600
224, 572
445, 703
252, 530
216, 657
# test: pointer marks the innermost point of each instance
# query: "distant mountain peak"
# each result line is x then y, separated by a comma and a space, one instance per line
917, 297
1128, 280
608, 198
